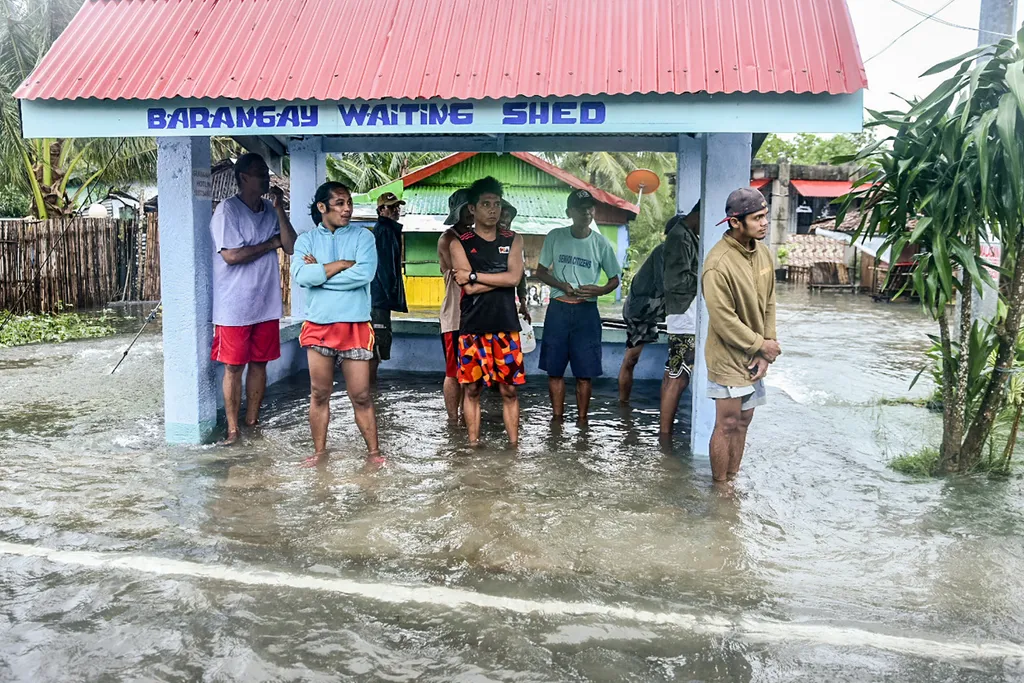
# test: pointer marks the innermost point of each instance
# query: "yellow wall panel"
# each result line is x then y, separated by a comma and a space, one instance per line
424, 292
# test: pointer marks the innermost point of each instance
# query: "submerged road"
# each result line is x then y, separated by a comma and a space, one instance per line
587, 555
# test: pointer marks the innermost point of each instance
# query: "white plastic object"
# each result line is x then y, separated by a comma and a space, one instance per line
526, 335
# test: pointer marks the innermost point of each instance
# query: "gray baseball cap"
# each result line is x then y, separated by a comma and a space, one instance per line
743, 202
456, 201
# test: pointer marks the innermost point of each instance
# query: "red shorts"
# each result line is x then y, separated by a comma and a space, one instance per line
450, 342
337, 336
259, 343
493, 358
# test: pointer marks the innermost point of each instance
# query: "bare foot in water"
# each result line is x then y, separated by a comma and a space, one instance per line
375, 461
230, 439
315, 459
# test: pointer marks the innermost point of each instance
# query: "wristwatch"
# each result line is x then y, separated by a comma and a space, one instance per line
472, 276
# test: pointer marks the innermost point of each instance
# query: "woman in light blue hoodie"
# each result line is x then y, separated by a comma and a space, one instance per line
335, 263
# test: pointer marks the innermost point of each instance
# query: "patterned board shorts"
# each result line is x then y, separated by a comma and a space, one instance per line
642, 325
494, 357
681, 349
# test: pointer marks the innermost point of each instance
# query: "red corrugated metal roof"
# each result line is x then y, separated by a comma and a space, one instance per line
535, 161
822, 188
758, 183
285, 50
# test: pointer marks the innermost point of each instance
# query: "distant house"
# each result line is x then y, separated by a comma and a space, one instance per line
535, 187
866, 254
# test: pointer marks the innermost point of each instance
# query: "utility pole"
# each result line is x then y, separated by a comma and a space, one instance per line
998, 20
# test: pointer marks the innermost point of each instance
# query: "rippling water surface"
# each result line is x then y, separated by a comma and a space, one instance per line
586, 555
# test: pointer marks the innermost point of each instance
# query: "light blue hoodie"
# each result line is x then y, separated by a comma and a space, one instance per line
345, 298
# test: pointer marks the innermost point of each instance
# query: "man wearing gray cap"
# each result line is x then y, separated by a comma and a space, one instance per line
739, 289
461, 219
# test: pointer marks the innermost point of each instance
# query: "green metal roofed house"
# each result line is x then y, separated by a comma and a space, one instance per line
536, 188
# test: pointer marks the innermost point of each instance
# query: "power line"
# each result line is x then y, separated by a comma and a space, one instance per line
900, 36
922, 13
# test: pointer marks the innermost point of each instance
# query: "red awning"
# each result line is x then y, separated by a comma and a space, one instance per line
822, 188
758, 183
287, 50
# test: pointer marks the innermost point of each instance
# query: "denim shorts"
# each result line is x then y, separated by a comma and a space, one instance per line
572, 336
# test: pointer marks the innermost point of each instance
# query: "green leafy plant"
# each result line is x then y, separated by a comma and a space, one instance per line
954, 161
61, 327
783, 254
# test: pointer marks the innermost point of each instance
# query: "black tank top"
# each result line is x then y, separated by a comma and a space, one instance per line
493, 311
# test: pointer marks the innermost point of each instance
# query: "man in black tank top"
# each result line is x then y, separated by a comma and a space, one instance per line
488, 265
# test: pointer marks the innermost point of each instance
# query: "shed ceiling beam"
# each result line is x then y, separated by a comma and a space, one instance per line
507, 143
267, 146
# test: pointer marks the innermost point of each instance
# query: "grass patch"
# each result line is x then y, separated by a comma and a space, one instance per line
915, 402
60, 327
921, 463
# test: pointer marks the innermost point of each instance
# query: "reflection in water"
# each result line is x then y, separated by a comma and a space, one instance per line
820, 535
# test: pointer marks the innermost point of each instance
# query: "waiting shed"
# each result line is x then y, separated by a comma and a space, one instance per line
292, 77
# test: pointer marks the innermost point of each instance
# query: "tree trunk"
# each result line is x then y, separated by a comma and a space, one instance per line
1011, 443
951, 435
995, 392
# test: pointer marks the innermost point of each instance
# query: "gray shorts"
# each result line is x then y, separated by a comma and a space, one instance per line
348, 354
753, 396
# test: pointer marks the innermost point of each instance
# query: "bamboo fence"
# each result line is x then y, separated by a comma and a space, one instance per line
77, 263
81, 263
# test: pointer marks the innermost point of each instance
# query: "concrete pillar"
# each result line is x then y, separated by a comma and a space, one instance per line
725, 159
308, 172
780, 201
689, 159
186, 275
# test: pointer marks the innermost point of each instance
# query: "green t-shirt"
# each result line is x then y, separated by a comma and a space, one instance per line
578, 261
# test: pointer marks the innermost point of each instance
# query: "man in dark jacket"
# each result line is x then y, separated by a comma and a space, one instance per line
387, 291
682, 266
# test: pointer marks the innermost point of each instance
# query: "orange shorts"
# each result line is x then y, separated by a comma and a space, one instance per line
337, 336
259, 343
494, 357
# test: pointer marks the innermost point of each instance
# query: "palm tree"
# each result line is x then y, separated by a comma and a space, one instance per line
43, 168
366, 170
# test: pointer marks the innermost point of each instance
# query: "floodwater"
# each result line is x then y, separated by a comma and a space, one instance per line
586, 555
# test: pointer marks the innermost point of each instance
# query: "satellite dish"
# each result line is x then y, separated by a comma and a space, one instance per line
98, 211
642, 181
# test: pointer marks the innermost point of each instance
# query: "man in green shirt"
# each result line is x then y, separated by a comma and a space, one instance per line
571, 263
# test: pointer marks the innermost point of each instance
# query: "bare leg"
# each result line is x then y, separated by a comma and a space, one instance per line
452, 398
739, 443
556, 390
471, 410
671, 391
232, 400
321, 385
255, 388
629, 361
357, 383
510, 411
727, 420
584, 388
374, 364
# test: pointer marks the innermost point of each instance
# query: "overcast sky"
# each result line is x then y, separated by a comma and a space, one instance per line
878, 22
